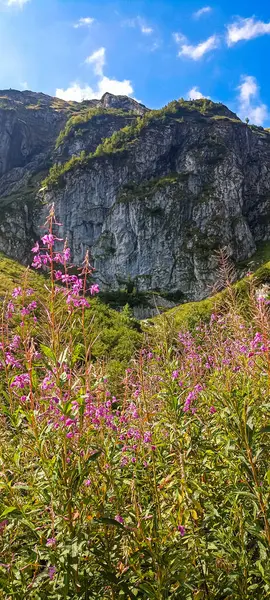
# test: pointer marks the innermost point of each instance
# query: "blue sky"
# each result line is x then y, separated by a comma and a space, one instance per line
153, 50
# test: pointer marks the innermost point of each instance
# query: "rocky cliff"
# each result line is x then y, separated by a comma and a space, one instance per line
151, 194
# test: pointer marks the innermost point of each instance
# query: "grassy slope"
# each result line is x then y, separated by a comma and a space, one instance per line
116, 334
12, 274
187, 315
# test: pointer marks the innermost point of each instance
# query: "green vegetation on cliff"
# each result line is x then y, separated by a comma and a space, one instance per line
75, 121
180, 110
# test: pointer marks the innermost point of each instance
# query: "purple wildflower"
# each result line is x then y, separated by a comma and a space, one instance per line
20, 381
51, 572
3, 525
51, 542
119, 519
48, 239
37, 262
35, 248
182, 530
94, 289
66, 254
17, 292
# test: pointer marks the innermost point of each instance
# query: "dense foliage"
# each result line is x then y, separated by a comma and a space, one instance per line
160, 490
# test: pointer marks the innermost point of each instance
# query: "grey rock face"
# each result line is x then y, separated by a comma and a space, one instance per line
153, 213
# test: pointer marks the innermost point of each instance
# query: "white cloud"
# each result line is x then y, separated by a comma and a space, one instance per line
121, 88
197, 52
18, 3
203, 11
249, 101
195, 94
98, 60
246, 29
146, 30
104, 83
84, 22
139, 22
85, 92
179, 38
75, 92
248, 88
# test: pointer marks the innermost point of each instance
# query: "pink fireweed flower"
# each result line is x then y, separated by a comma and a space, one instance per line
47, 383
87, 482
17, 292
37, 262
51, 542
58, 258
58, 275
192, 396
66, 254
94, 289
51, 572
46, 259
3, 525
48, 239
65, 278
12, 361
147, 438
182, 530
14, 345
35, 249
24, 311
20, 381
10, 310
119, 519
32, 305
175, 374
212, 410
29, 292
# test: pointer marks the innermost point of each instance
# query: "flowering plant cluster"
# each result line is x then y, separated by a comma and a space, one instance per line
155, 488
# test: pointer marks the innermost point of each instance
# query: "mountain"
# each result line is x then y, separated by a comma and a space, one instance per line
152, 194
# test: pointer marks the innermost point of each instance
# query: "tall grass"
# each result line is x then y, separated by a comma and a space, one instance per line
159, 492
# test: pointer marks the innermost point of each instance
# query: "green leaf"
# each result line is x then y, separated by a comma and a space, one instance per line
48, 353
146, 587
264, 430
8, 511
77, 353
93, 456
249, 431
109, 521
126, 589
